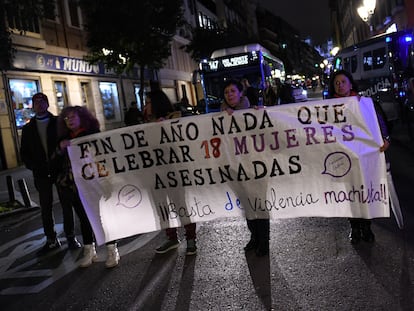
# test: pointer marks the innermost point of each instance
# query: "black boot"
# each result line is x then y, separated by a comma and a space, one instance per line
73, 243
355, 234
263, 228
252, 244
366, 233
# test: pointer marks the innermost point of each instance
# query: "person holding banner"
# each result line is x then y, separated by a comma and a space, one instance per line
159, 108
233, 97
77, 121
342, 84
259, 228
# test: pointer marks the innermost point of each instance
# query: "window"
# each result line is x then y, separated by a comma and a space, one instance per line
61, 95
350, 63
206, 22
137, 98
19, 20
85, 90
21, 94
50, 11
347, 64
354, 63
367, 58
109, 97
379, 58
73, 13
87, 96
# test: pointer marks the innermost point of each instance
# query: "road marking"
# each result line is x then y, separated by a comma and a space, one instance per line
12, 267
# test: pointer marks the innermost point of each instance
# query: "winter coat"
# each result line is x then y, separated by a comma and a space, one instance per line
32, 152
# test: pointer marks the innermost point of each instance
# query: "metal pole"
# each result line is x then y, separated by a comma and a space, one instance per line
25, 192
10, 188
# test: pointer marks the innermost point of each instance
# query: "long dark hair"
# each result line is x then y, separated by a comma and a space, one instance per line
160, 104
332, 82
87, 120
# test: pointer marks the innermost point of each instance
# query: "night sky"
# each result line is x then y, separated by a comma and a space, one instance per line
309, 17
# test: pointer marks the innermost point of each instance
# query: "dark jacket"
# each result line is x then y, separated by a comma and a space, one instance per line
65, 179
32, 153
253, 95
161, 105
133, 116
286, 94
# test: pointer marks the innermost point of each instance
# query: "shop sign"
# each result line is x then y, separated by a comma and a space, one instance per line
49, 62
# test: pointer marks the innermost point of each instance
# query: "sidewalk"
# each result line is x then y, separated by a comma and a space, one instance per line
16, 174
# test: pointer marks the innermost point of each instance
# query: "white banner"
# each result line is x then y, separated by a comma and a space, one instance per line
308, 159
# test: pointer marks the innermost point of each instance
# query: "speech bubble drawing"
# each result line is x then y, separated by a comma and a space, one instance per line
337, 164
129, 196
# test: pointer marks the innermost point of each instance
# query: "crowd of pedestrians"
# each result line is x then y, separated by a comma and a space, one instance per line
44, 151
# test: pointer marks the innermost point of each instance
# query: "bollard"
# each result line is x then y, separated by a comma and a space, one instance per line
10, 188
25, 192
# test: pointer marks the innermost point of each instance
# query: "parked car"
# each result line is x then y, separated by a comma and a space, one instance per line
186, 109
213, 104
300, 94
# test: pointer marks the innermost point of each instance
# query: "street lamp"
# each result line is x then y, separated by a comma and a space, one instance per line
366, 11
334, 51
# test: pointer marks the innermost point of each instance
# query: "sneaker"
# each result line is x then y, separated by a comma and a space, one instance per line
50, 245
167, 246
113, 256
89, 255
73, 243
191, 248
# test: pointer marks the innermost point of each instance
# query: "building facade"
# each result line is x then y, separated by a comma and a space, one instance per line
389, 15
49, 59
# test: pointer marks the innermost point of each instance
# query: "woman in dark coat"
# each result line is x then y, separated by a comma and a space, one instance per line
342, 85
78, 121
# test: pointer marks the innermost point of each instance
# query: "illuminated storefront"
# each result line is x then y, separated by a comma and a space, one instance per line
67, 81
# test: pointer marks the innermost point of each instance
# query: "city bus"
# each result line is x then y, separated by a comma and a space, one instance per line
252, 62
381, 66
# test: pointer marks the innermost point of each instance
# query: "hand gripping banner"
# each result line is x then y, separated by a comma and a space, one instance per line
313, 159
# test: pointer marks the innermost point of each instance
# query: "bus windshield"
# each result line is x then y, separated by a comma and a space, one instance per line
251, 62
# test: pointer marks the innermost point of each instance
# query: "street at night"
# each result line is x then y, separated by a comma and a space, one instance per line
206, 155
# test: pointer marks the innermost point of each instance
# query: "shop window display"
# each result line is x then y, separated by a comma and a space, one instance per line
109, 97
61, 96
21, 95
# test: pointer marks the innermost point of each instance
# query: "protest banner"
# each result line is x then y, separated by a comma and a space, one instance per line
313, 159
